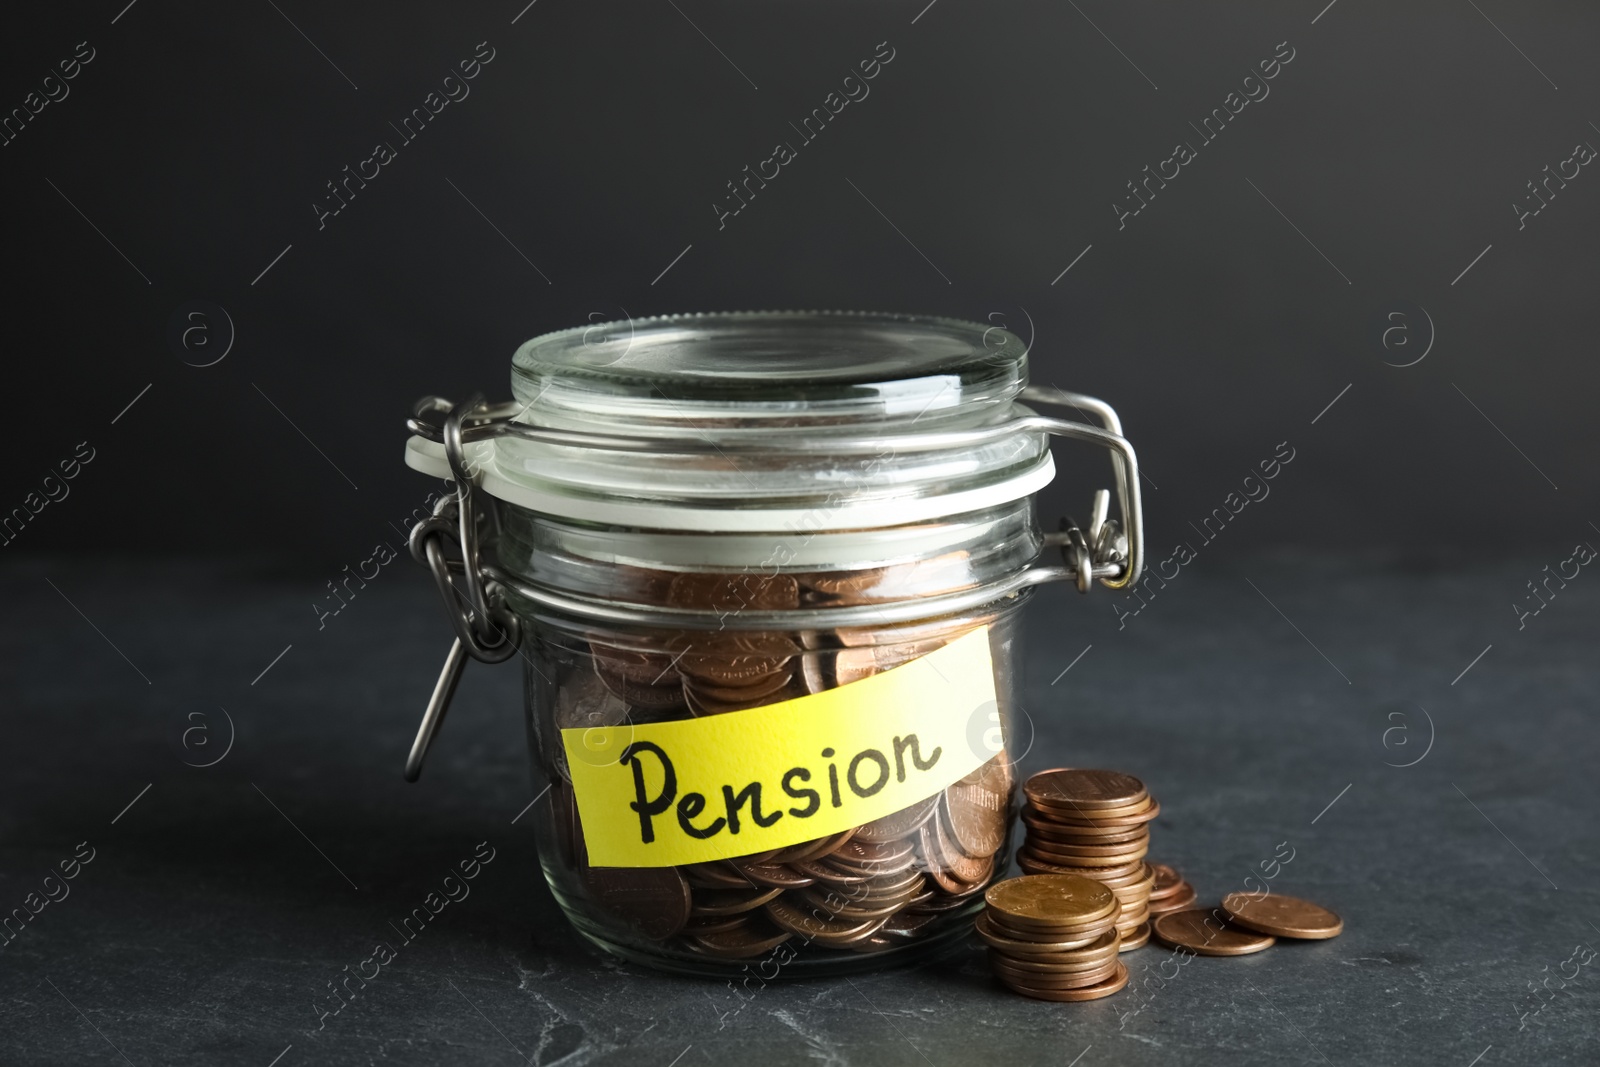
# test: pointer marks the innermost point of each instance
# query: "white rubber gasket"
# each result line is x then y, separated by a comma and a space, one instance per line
429, 458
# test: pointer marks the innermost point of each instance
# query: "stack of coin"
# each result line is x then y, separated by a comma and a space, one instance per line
1093, 823
1170, 892
1053, 937
869, 888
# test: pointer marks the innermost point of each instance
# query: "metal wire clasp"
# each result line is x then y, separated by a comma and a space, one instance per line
448, 543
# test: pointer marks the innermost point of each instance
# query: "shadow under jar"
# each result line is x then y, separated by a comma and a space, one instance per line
764, 572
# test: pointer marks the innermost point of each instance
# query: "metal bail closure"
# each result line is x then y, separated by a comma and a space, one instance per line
485, 629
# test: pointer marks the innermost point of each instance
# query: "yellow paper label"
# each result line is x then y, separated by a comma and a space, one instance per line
669, 793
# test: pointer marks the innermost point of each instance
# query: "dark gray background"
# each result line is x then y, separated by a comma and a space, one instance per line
996, 141
1386, 565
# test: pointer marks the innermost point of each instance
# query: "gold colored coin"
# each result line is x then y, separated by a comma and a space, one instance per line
1045, 899
1060, 980
1168, 881
1107, 855
1083, 789
1139, 938
1282, 916
1026, 929
1178, 901
1034, 863
1204, 934
1052, 946
1111, 985
1103, 819
1100, 951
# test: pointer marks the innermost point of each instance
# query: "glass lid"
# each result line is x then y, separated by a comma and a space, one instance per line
795, 366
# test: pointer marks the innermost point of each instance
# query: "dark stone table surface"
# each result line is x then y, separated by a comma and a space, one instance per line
1273, 702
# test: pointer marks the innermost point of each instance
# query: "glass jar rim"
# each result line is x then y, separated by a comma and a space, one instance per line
856, 366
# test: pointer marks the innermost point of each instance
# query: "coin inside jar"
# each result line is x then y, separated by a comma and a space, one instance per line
653, 900
977, 808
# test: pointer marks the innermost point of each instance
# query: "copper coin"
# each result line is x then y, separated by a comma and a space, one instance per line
1095, 954
1199, 931
934, 854
899, 824
888, 657
701, 707
734, 592
741, 942
1013, 976
853, 665
813, 849
886, 869
1137, 920
1141, 880
864, 852
1282, 916
809, 925
714, 924
653, 900
814, 672
951, 871
1111, 985
736, 659
942, 902
1103, 855
641, 668
1024, 929
1064, 835
778, 874
829, 875
834, 908
709, 902
893, 885
876, 943
640, 695
978, 808
1178, 901
1140, 938
1168, 881
1044, 899
740, 694
907, 926
1028, 859
1083, 789
583, 700
849, 587
1072, 815
997, 938
1116, 819
717, 874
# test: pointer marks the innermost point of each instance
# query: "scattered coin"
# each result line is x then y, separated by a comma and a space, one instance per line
1205, 933
1282, 916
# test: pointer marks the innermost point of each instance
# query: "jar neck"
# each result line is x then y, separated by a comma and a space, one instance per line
797, 571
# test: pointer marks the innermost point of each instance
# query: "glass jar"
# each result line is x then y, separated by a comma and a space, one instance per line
764, 572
